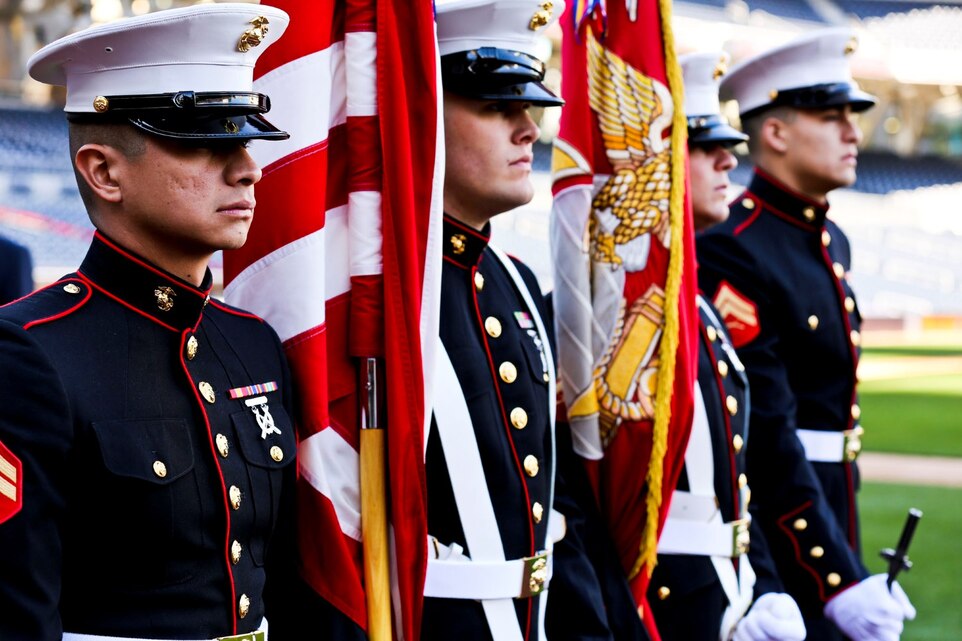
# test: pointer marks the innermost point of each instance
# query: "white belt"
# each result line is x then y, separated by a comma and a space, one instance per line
831, 446
259, 635
704, 539
452, 575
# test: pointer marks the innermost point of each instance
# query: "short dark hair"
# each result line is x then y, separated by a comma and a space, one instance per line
123, 137
752, 125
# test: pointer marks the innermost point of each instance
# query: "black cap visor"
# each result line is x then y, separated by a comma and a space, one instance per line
712, 130
490, 73
187, 115
820, 97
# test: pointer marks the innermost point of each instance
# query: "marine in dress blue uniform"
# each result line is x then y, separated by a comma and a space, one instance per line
777, 272
16, 271
498, 545
146, 439
704, 582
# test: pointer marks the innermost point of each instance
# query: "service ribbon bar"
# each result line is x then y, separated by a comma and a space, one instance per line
251, 390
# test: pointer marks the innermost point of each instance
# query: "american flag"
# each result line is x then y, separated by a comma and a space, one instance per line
623, 250
343, 259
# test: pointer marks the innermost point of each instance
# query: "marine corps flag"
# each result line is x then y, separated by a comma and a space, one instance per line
344, 261
623, 254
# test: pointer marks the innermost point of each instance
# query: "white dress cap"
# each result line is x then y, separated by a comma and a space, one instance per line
816, 60
516, 25
202, 48
702, 73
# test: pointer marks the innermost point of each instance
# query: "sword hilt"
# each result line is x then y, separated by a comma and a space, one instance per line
898, 558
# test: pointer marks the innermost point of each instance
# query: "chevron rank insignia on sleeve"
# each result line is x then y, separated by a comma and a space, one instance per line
739, 314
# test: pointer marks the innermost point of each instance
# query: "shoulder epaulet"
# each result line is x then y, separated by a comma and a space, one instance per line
48, 304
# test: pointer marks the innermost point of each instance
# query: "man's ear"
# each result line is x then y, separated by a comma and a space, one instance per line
774, 134
100, 165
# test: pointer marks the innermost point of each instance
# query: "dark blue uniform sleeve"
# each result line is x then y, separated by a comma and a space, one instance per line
36, 428
787, 498
589, 597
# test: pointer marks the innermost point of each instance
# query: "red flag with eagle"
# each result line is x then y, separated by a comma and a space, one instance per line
343, 259
623, 254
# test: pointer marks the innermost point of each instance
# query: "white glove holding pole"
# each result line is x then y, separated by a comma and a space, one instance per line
773, 617
867, 611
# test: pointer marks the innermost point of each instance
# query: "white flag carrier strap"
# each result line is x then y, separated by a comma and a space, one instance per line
259, 635
481, 533
695, 526
522, 288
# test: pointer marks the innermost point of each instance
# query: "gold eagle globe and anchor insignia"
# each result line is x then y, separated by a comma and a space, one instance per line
633, 113
164, 296
253, 36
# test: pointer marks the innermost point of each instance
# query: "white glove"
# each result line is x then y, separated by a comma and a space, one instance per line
867, 611
774, 617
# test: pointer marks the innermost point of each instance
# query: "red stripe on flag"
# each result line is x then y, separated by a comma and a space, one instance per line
314, 26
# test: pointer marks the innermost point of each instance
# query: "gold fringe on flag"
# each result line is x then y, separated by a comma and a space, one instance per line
648, 557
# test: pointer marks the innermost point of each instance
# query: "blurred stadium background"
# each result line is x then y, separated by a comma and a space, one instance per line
901, 215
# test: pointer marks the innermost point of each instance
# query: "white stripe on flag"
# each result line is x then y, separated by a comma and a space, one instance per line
360, 51
307, 100
332, 467
291, 285
366, 238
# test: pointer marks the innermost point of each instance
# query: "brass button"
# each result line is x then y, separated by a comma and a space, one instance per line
738, 443
813, 322
478, 281
191, 348
732, 404
809, 213
856, 411
207, 391
71, 288
160, 469
742, 480
492, 326
849, 304
712, 334
537, 511
519, 418
235, 552
235, 497
101, 104
277, 453
856, 338
839, 270
223, 445
531, 465
508, 372
663, 593
722, 369
833, 579
457, 243
748, 203
772, 94
817, 552
243, 606
800, 525
826, 238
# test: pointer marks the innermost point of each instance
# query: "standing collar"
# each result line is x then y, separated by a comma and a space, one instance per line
787, 202
463, 245
136, 283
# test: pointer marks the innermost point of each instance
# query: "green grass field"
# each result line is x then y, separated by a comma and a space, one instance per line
934, 581
917, 414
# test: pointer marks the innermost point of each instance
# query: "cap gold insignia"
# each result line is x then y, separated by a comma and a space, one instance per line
720, 70
457, 244
851, 46
253, 36
101, 104
231, 127
165, 298
541, 17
